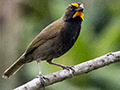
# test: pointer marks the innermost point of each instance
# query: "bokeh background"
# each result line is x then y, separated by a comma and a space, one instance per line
22, 20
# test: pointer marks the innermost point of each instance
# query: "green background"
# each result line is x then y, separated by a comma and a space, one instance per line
22, 20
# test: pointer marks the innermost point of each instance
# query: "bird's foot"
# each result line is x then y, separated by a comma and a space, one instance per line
110, 54
69, 68
42, 78
42, 82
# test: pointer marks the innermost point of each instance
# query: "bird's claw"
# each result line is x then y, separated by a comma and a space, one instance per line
42, 78
69, 68
110, 54
42, 82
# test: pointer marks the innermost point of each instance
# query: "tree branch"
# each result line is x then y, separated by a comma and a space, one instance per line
79, 69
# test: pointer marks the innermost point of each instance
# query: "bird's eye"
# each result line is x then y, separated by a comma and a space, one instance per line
72, 7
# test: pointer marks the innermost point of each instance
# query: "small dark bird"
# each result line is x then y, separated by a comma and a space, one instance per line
53, 41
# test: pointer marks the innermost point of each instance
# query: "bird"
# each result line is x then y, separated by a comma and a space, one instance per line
53, 41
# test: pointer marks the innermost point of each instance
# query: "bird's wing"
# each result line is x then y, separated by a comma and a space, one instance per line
48, 33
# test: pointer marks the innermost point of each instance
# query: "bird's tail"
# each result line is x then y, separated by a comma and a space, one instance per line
14, 67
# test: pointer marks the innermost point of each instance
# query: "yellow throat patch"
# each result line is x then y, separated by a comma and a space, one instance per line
79, 13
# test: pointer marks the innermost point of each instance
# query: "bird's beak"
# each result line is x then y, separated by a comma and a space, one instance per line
80, 8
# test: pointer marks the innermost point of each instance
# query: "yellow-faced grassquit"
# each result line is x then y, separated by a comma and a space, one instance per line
53, 41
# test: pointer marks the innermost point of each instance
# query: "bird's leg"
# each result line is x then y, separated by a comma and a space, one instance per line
62, 66
40, 75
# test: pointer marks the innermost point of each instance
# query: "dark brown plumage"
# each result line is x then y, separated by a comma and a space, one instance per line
53, 41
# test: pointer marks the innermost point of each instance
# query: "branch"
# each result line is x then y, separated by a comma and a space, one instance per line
79, 69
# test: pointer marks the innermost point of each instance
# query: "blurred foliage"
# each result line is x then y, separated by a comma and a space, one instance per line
99, 35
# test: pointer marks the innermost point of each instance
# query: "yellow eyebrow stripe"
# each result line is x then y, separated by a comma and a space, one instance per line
75, 4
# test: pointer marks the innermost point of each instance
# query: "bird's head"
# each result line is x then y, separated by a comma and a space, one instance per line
74, 10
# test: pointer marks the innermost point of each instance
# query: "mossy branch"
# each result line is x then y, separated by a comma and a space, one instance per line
79, 69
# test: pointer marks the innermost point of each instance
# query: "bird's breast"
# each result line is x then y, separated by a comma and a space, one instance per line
68, 37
